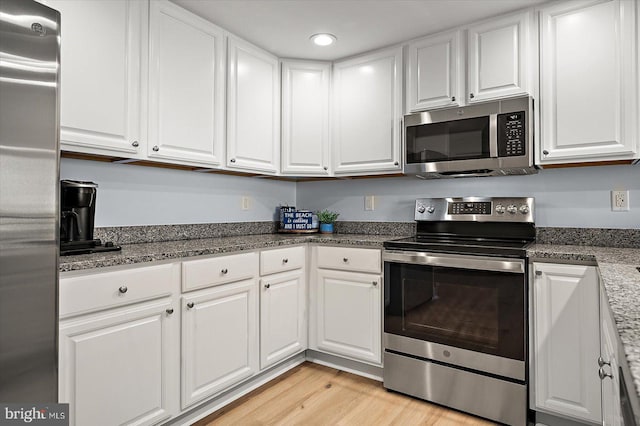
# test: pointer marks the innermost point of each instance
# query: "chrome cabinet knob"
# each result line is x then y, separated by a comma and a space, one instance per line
604, 375
325, 168
190, 305
155, 148
267, 286
285, 260
396, 164
224, 271
233, 160
538, 273
545, 152
602, 362
375, 283
471, 96
453, 99
135, 144
169, 311
123, 289
345, 259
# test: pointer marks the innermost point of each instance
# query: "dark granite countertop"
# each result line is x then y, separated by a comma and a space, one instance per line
151, 252
621, 282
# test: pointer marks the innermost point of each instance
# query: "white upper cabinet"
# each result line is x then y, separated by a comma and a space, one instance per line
588, 78
367, 113
305, 117
435, 72
253, 108
499, 57
103, 58
186, 86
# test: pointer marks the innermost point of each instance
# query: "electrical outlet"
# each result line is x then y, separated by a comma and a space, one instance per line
620, 201
245, 203
369, 202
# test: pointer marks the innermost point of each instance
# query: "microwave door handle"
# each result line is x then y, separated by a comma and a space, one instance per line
493, 135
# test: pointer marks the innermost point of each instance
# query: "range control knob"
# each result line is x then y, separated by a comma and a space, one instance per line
431, 209
500, 209
420, 208
524, 209
512, 209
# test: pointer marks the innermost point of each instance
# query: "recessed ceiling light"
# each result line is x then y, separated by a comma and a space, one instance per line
323, 39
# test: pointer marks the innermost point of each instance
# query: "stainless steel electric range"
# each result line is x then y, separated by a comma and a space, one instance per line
455, 306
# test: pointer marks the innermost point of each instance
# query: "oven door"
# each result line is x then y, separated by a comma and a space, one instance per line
462, 310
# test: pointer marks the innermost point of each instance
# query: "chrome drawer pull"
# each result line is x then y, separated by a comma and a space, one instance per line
123, 289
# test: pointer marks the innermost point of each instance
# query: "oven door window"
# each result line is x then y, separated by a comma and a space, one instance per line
448, 141
482, 311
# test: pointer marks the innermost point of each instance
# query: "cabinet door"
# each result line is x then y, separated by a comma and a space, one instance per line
253, 109
120, 366
566, 341
611, 415
500, 57
588, 78
305, 117
283, 325
103, 56
367, 113
435, 72
186, 109
348, 310
219, 339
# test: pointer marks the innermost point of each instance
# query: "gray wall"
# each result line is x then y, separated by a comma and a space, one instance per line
570, 197
133, 195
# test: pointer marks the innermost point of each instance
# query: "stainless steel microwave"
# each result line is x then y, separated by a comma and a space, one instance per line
489, 139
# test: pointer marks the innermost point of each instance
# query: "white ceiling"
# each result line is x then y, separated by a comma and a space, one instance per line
283, 27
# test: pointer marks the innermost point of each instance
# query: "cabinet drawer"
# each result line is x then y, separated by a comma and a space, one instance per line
96, 291
349, 259
218, 270
280, 260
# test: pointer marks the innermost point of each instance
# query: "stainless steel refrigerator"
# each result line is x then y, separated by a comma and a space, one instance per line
29, 213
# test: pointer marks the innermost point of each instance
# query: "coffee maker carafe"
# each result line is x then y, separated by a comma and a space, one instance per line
77, 214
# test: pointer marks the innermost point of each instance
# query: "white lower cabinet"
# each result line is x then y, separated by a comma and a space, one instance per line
566, 341
346, 317
283, 325
608, 363
283, 304
219, 339
120, 365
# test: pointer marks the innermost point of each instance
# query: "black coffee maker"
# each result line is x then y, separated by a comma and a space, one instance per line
77, 214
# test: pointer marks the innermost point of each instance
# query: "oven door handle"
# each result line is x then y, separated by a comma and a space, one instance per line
482, 263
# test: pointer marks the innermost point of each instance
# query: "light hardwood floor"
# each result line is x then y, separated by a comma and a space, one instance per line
311, 394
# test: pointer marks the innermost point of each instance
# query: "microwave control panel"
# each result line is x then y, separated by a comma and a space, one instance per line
511, 134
